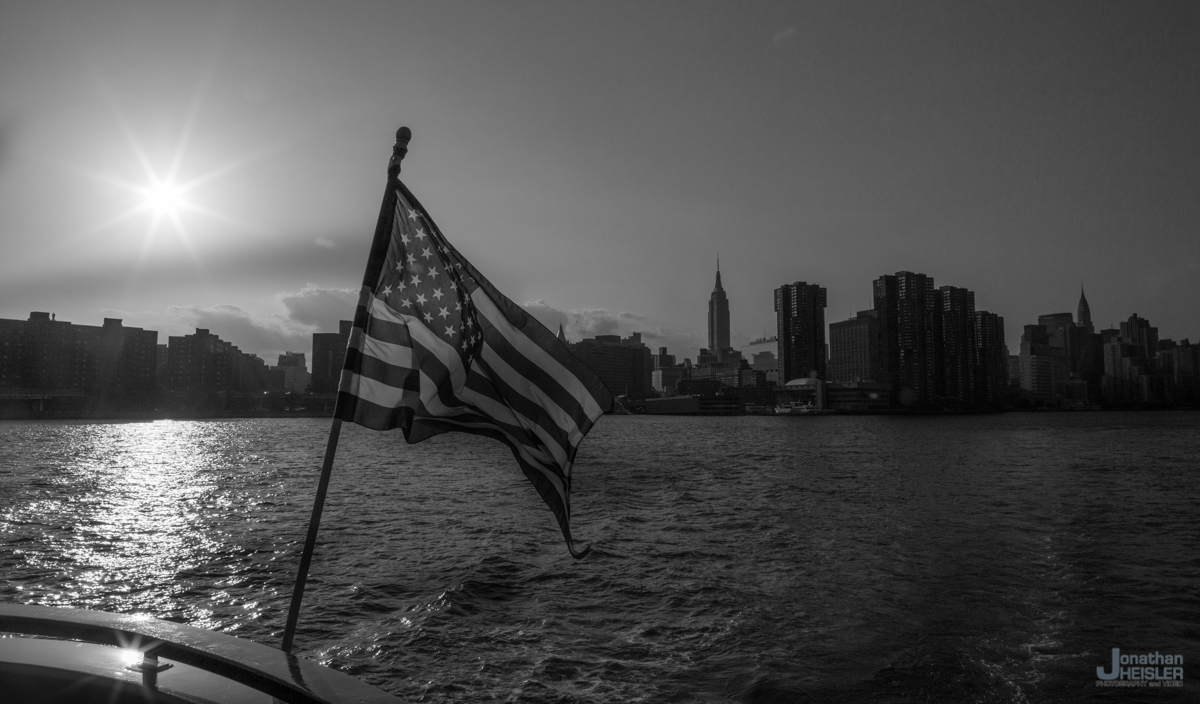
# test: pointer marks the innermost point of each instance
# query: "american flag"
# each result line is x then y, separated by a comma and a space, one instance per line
436, 348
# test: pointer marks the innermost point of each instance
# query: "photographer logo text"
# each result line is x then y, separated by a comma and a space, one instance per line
1141, 670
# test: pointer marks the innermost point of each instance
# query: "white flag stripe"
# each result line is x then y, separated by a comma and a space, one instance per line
396, 355
382, 394
522, 385
383, 311
535, 354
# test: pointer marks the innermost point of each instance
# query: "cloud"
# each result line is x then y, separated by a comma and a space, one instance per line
324, 242
319, 308
551, 317
289, 328
268, 336
785, 35
589, 322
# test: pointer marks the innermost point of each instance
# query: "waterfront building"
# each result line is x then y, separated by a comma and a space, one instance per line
106, 367
290, 374
1073, 359
1038, 364
329, 353
718, 318
807, 390
909, 311
858, 396
763, 353
745, 376
202, 365
1130, 375
992, 360
662, 360
666, 379
1058, 326
160, 366
958, 355
854, 348
1138, 332
622, 364
800, 319
1180, 366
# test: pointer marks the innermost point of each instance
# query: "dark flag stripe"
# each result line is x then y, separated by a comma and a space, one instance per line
384, 372
502, 360
356, 409
538, 356
540, 416
385, 330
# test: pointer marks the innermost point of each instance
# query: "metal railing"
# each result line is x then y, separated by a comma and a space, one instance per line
267, 670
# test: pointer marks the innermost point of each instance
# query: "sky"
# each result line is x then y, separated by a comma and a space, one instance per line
593, 159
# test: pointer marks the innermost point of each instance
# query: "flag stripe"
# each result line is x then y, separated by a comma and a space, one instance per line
383, 371
530, 402
387, 328
536, 355
382, 394
397, 353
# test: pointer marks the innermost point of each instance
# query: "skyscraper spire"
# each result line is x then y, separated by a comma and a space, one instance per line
718, 317
1085, 311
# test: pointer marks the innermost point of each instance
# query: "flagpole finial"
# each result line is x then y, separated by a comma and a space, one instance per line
403, 136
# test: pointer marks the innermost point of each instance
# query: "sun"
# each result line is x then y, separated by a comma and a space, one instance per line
163, 198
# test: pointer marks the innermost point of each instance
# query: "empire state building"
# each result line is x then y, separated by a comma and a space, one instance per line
718, 318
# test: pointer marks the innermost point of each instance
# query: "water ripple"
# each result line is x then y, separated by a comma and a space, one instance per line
987, 559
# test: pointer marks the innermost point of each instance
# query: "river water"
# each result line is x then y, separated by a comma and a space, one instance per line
994, 558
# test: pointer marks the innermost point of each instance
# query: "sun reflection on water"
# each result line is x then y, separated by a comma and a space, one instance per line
142, 518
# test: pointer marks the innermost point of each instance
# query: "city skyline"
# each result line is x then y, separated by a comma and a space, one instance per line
591, 159
329, 351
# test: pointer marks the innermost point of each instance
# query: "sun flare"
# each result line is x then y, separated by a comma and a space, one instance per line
163, 198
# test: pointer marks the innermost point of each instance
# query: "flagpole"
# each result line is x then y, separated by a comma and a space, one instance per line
379, 245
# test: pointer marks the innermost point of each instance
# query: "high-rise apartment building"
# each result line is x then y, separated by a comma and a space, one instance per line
800, 320
329, 352
291, 373
959, 349
1038, 363
662, 360
1130, 373
1137, 331
909, 329
991, 354
718, 318
854, 348
622, 364
203, 364
112, 365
